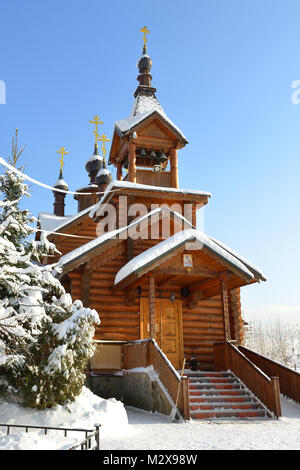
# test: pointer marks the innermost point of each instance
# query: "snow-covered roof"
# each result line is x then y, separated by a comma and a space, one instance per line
123, 126
144, 103
181, 238
53, 223
128, 184
256, 271
49, 222
114, 234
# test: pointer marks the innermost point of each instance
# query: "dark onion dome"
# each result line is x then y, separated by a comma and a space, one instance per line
145, 63
94, 163
60, 183
104, 176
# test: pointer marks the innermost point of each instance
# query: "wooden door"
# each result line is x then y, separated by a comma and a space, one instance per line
168, 327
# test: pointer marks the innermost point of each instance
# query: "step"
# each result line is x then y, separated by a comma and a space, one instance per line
229, 413
216, 406
218, 398
219, 386
207, 374
217, 392
212, 380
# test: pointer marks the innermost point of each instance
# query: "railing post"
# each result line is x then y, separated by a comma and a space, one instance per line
98, 436
220, 356
276, 396
185, 398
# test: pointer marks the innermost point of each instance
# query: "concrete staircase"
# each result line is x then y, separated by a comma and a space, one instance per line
221, 395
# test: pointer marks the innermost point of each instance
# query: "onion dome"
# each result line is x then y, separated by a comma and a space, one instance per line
94, 164
145, 63
60, 183
104, 176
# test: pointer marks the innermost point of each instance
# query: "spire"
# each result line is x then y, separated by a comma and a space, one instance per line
145, 99
144, 64
59, 198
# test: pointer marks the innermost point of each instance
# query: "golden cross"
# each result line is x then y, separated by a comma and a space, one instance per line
103, 139
96, 122
63, 152
145, 31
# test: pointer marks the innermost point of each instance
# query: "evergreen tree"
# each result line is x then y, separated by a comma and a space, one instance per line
45, 339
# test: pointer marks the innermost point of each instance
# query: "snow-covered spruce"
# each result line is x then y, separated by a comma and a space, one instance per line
45, 339
55, 374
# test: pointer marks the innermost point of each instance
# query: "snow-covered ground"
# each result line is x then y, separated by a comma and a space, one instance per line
147, 431
86, 411
154, 431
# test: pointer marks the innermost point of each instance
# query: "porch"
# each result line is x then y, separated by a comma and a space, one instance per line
236, 388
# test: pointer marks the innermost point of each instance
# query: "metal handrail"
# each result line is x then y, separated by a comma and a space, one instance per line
86, 443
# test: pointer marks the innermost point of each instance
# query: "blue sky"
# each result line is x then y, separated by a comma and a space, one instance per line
223, 71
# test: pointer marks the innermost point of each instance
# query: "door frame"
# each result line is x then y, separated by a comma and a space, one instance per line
144, 312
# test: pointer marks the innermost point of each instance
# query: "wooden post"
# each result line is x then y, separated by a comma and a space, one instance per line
225, 309
119, 171
152, 306
132, 163
220, 357
186, 398
276, 396
174, 168
235, 307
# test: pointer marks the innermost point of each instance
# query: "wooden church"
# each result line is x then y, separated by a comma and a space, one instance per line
165, 291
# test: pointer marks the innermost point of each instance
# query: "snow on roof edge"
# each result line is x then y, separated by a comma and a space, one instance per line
129, 184
166, 246
125, 125
80, 251
250, 265
71, 218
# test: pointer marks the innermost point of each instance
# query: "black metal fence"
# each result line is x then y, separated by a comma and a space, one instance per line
91, 441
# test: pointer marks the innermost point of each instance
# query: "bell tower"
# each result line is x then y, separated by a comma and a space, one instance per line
145, 145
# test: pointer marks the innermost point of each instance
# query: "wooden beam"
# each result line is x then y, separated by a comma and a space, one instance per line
205, 284
225, 309
152, 319
174, 168
194, 273
119, 171
167, 281
132, 163
123, 150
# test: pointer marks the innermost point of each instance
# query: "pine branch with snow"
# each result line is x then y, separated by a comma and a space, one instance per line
45, 339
